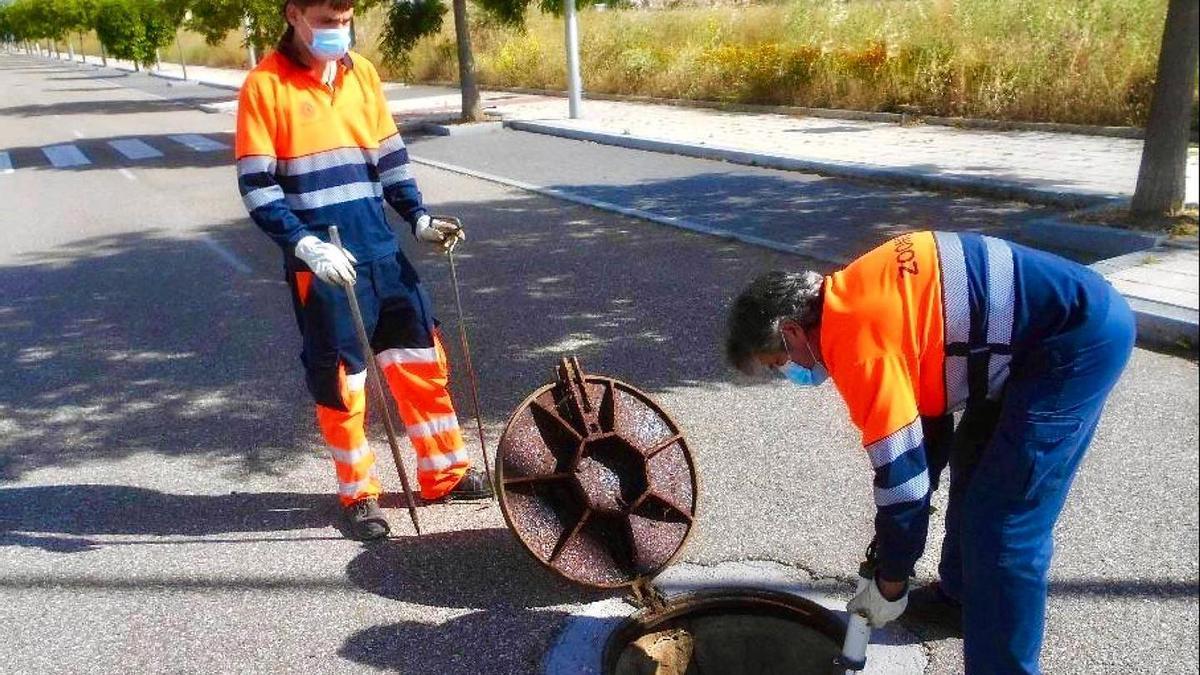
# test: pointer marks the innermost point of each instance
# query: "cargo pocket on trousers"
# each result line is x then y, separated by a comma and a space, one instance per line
1053, 442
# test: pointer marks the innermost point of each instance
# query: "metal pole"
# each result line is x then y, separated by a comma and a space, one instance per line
466, 347
182, 61
376, 383
574, 83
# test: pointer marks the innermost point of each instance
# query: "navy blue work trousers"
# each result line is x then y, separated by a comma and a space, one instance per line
1011, 465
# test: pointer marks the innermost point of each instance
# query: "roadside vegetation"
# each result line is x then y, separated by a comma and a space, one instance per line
1080, 61
1077, 61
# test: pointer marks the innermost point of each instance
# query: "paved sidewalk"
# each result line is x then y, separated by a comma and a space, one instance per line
1042, 167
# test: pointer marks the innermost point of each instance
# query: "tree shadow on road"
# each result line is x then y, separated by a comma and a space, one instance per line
145, 342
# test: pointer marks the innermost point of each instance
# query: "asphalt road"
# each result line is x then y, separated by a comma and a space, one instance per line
165, 504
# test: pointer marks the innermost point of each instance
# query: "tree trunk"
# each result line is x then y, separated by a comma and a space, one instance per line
103, 55
1161, 182
472, 111
82, 54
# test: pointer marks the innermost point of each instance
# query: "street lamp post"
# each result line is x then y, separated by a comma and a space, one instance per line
574, 83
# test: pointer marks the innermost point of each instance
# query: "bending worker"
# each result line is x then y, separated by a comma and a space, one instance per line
1029, 344
317, 146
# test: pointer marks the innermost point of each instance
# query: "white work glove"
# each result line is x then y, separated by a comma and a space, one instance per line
870, 603
441, 232
331, 264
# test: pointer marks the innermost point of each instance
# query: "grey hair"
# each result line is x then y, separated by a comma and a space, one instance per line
754, 317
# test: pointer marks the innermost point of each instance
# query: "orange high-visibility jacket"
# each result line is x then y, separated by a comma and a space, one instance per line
309, 156
921, 326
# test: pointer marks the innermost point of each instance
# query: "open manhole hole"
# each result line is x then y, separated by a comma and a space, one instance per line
743, 632
598, 484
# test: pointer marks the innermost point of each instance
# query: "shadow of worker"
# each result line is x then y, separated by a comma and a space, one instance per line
39, 516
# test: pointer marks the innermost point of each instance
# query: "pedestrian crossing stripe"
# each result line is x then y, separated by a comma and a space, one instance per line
5, 163
134, 148
65, 156
198, 143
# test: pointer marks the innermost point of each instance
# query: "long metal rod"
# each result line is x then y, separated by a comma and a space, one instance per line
466, 347
376, 380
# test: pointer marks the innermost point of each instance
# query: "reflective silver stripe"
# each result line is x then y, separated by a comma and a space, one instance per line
1002, 297
911, 490
325, 160
887, 449
256, 164
957, 303
956, 383
337, 194
389, 356
434, 426
390, 144
351, 456
356, 381
262, 197
442, 462
396, 175
357, 487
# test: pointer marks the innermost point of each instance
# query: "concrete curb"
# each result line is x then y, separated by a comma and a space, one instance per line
985, 187
915, 117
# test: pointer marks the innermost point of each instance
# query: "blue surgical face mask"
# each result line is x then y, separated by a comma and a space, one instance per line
328, 44
798, 374
805, 377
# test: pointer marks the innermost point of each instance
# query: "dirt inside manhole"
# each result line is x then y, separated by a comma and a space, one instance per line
730, 641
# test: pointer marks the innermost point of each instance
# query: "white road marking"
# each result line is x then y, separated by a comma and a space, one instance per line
78, 134
198, 143
64, 156
128, 174
134, 148
226, 255
5, 163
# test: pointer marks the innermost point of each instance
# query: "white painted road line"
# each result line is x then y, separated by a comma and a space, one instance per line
128, 174
5, 163
134, 148
198, 143
65, 156
226, 255
78, 134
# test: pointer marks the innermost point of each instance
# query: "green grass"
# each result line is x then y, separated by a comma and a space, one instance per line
1081, 61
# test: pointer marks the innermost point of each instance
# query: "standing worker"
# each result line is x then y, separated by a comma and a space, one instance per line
317, 146
1029, 344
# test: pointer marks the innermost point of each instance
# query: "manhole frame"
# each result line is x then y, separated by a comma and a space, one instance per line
762, 602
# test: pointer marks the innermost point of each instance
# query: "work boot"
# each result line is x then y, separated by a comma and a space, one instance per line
366, 519
472, 486
930, 607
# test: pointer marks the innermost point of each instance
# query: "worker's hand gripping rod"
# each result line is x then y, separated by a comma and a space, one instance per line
376, 383
466, 347
858, 632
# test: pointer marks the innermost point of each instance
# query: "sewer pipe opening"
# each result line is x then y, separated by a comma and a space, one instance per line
730, 632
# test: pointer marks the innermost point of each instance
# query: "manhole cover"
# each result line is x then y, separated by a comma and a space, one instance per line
596, 480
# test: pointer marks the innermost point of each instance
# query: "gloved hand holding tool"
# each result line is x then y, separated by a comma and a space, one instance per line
867, 609
452, 232
373, 373
332, 264
445, 231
